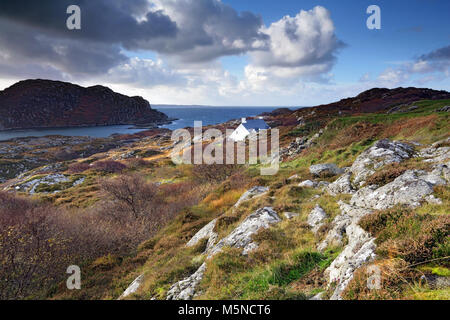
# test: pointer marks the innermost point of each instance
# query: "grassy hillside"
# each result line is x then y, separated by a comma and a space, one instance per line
286, 264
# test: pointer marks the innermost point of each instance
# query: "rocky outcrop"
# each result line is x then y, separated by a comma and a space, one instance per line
207, 232
341, 185
435, 153
316, 218
359, 251
300, 144
382, 153
241, 238
251, 194
329, 169
409, 189
186, 289
308, 184
45, 103
134, 286
33, 184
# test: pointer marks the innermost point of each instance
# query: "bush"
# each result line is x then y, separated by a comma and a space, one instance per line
79, 167
109, 166
214, 173
132, 194
404, 234
388, 174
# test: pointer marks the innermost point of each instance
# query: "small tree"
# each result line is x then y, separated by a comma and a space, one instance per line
132, 193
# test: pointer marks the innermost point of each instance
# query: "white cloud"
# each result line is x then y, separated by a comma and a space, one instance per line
300, 46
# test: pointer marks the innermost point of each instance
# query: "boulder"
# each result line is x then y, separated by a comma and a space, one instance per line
134, 286
207, 232
382, 153
186, 289
316, 218
291, 215
252, 193
359, 251
436, 153
410, 188
335, 236
329, 169
341, 185
308, 184
241, 237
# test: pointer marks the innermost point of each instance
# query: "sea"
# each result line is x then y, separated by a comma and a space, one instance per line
186, 116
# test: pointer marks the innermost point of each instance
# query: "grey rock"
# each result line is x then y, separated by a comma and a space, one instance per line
207, 232
186, 289
341, 185
359, 250
308, 184
241, 237
444, 109
318, 296
323, 184
291, 215
435, 153
316, 218
436, 282
329, 169
410, 188
134, 286
335, 236
382, 153
251, 194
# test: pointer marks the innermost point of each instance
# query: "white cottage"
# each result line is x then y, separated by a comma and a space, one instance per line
247, 127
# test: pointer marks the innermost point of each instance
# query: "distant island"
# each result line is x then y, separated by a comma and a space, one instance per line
32, 104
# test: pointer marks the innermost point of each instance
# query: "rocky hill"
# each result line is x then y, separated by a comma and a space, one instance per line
382, 99
45, 103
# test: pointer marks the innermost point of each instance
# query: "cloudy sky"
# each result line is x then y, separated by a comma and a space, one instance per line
229, 52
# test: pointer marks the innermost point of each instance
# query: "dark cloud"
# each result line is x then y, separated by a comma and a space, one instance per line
34, 33
440, 54
102, 20
207, 29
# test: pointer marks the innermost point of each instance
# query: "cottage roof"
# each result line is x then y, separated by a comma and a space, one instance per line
256, 125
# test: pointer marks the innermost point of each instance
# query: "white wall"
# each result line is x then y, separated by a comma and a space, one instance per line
239, 134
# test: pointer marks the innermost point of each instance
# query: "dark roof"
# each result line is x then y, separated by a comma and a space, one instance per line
256, 125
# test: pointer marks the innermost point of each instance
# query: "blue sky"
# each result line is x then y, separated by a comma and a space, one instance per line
409, 29
229, 52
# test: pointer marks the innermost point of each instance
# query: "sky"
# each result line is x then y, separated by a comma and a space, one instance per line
229, 52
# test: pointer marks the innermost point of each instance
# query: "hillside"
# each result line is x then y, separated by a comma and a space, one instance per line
45, 103
382, 100
355, 192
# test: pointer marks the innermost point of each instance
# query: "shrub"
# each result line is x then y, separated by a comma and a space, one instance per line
109, 166
138, 163
214, 173
132, 194
388, 174
79, 167
404, 234
395, 276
